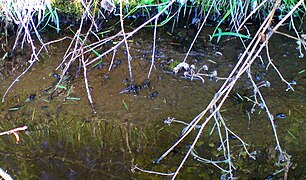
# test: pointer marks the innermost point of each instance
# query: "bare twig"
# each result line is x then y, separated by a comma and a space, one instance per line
133, 32
196, 36
5, 175
224, 91
153, 50
32, 61
129, 57
14, 132
151, 172
87, 86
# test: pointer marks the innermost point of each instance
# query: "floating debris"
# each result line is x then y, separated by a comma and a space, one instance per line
146, 83
44, 107
281, 116
56, 76
153, 95
31, 98
133, 89
180, 66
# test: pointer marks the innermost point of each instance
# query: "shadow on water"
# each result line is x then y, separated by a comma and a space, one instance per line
65, 140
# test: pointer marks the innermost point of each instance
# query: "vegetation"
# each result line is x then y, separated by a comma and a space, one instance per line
29, 18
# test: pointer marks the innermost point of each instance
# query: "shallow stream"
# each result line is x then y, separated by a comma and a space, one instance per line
65, 139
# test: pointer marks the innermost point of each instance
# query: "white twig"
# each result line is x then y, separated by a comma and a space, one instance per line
87, 86
153, 50
129, 57
5, 175
151, 172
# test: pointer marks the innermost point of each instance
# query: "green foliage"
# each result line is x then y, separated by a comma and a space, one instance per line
69, 7
220, 33
146, 2
173, 64
50, 16
162, 6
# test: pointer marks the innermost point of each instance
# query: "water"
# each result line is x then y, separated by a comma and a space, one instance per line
66, 140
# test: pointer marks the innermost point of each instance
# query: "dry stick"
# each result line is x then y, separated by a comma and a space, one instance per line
67, 53
5, 175
251, 13
228, 90
27, 35
218, 96
89, 15
292, 37
195, 121
300, 41
15, 132
287, 167
230, 165
76, 42
23, 128
267, 20
206, 161
289, 14
200, 116
196, 36
36, 32
71, 60
255, 87
126, 43
219, 131
31, 61
132, 33
275, 68
261, 47
278, 147
19, 31
95, 45
112, 61
296, 32
127, 141
87, 86
17, 79
153, 50
151, 172
73, 53
89, 31
81, 53
227, 140
259, 50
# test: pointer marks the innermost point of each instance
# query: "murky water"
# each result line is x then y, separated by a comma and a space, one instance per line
66, 140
